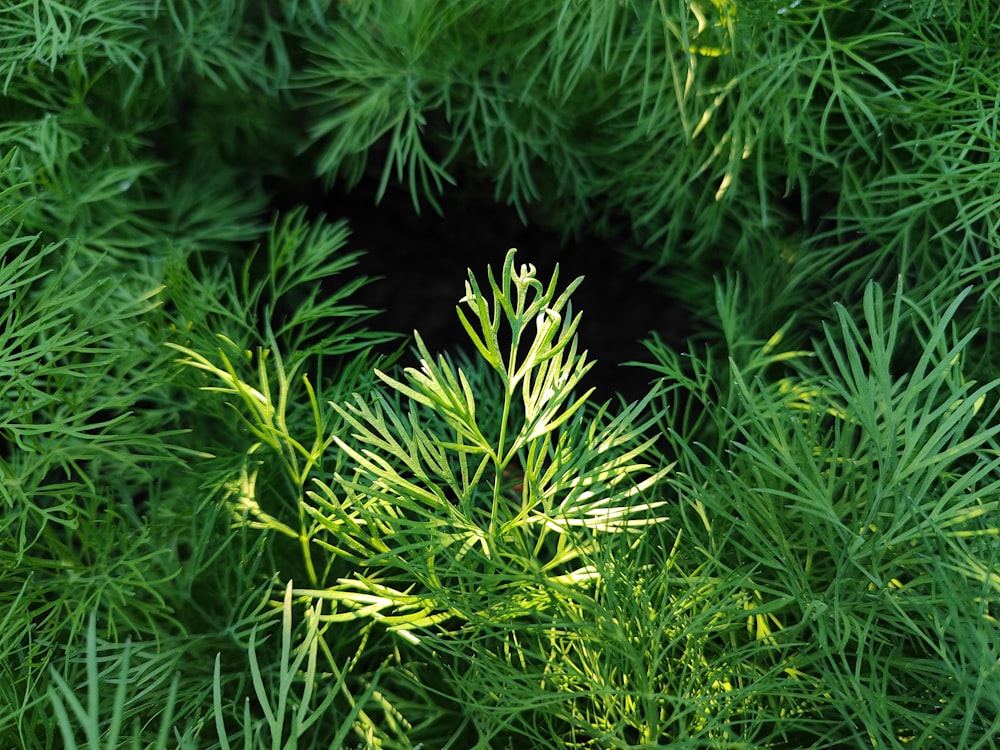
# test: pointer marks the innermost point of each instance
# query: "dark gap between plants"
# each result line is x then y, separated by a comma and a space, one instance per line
422, 260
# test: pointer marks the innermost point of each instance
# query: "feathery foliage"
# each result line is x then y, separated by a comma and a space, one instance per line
227, 522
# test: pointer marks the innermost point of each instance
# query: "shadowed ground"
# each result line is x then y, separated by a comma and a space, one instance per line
422, 260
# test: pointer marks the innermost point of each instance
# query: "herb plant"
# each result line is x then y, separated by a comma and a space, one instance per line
229, 519
809, 145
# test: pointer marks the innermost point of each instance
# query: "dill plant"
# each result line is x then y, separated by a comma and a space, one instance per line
398, 500
116, 552
120, 564
855, 485
85, 436
810, 146
226, 522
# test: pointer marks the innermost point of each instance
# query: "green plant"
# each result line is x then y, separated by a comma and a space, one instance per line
75, 363
516, 489
859, 495
92, 530
110, 539
286, 540
293, 684
808, 145
469, 496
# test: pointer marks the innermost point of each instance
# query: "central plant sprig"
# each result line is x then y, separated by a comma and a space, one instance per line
425, 513
540, 381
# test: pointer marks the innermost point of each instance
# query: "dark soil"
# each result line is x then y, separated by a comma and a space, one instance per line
421, 262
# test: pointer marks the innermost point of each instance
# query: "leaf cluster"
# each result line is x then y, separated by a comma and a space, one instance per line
227, 522
810, 146
859, 499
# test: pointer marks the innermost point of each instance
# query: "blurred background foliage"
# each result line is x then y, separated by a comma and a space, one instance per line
805, 146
